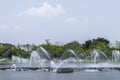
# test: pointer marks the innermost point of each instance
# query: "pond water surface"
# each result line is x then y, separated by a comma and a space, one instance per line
38, 75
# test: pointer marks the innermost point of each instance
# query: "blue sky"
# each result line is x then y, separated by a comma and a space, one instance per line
34, 21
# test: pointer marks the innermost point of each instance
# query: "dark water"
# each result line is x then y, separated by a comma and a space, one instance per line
37, 75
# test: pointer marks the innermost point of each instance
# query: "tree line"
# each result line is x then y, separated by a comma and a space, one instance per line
81, 49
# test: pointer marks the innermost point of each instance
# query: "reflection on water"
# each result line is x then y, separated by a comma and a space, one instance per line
37, 75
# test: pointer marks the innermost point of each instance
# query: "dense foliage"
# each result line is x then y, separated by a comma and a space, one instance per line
83, 50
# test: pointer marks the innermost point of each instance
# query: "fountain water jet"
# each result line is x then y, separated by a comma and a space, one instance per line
98, 55
68, 60
69, 53
43, 53
116, 56
34, 59
13, 67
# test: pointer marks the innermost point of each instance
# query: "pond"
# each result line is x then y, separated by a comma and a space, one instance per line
38, 75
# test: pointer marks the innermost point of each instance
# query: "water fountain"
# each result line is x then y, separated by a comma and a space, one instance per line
16, 59
43, 53
34, 59
116, 56
99, 56
69, 53
13, 67
21, 62
38, 58
69, 60
3, 59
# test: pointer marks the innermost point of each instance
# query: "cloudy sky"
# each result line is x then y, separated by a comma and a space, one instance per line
34, 21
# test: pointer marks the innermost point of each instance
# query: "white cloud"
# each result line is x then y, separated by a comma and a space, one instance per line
45, 10
71, 20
